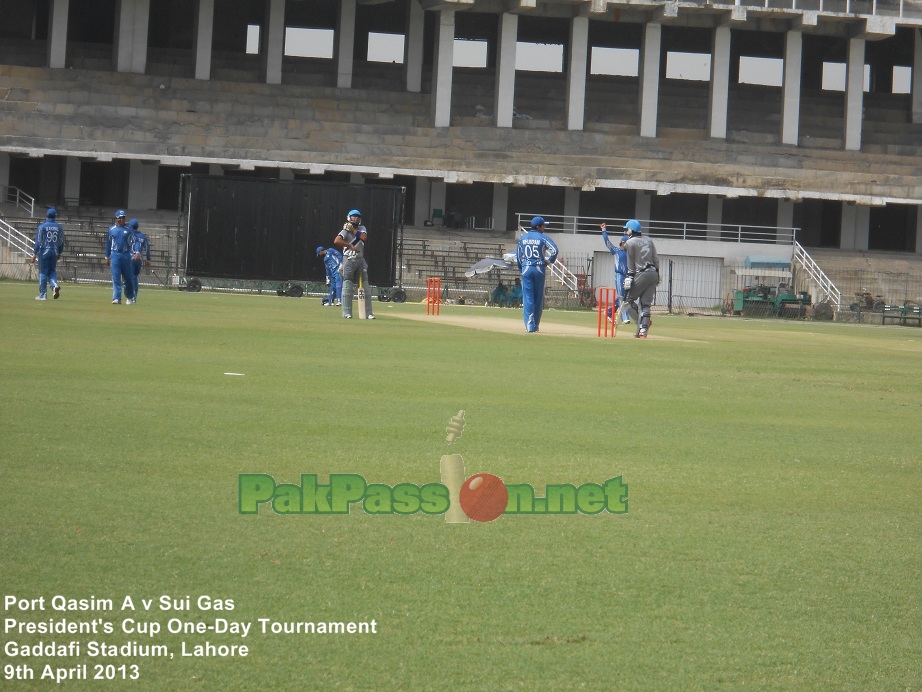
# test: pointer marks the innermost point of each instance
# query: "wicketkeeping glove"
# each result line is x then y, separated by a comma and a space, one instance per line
628, 282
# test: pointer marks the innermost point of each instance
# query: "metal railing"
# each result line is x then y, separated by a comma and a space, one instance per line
884, 8
15, 239
13, 195
827, 290
678, 230
560, 272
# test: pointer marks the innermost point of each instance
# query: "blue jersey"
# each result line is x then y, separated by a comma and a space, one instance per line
619, 253
49, 240
331, 260
119, 240
140, 245
535, 250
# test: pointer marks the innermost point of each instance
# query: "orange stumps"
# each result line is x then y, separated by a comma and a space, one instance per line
433, 295
608, 312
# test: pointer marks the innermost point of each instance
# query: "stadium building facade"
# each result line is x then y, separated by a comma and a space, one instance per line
771, 113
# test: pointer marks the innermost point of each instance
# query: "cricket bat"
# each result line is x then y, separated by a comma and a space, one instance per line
363, 310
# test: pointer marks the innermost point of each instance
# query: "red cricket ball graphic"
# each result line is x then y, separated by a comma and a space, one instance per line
484, 497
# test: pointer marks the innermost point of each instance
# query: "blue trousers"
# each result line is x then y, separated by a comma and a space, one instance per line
135, 273
336, 287
120, 264
47, 271
532, 296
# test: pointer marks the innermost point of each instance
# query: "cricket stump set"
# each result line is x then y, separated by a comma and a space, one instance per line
433, 295
608, 300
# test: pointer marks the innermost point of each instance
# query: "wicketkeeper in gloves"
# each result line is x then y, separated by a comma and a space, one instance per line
642, 276
351, 240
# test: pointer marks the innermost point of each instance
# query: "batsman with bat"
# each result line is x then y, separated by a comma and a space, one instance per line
355, 269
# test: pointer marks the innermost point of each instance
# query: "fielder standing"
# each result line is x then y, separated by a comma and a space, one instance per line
49, 243
355, 269
140, 253
118, 257
534, 252
620, 274
332, 262
642, 276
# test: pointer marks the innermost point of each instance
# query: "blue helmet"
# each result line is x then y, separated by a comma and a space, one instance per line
538, 221
320, 249
52, 212
633, 227
354, 212
133, 223
120, 214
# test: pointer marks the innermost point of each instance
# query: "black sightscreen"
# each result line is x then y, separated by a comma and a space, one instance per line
266, 229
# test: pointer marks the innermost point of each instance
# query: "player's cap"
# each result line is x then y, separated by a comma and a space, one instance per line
538, 221
133, 223
624, 239
633, 227
320, 249
52, 212
120, 214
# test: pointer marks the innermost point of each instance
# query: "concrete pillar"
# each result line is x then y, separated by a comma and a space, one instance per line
917, 78
72, 178
855, 227
505, 69
854, 94
204, 33
437, 190
57, 33
421, 207
442, 68
649, 78
715, 216
785, 217
790, 109
643, 202
5, 171
275, 41
501, 207
918, 221
720, 82
413, 47
142, 184
344, 43
131, 36
576, 72
571, 206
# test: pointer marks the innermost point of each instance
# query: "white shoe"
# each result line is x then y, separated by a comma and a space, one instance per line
370, 317
116, 302
337, 303
57, 292
348, 317
40, 298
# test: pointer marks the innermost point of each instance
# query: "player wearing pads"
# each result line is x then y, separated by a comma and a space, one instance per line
534, 252
642, 276
352, 241
49, 243
140, 252
620, 274
118, 256
332, 261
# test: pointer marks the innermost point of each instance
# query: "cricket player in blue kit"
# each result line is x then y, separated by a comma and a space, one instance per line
140, 248
118, 256
49, 243
332, 261
620, 273
534, 252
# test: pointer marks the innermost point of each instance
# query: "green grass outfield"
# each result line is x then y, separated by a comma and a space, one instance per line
774, 472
